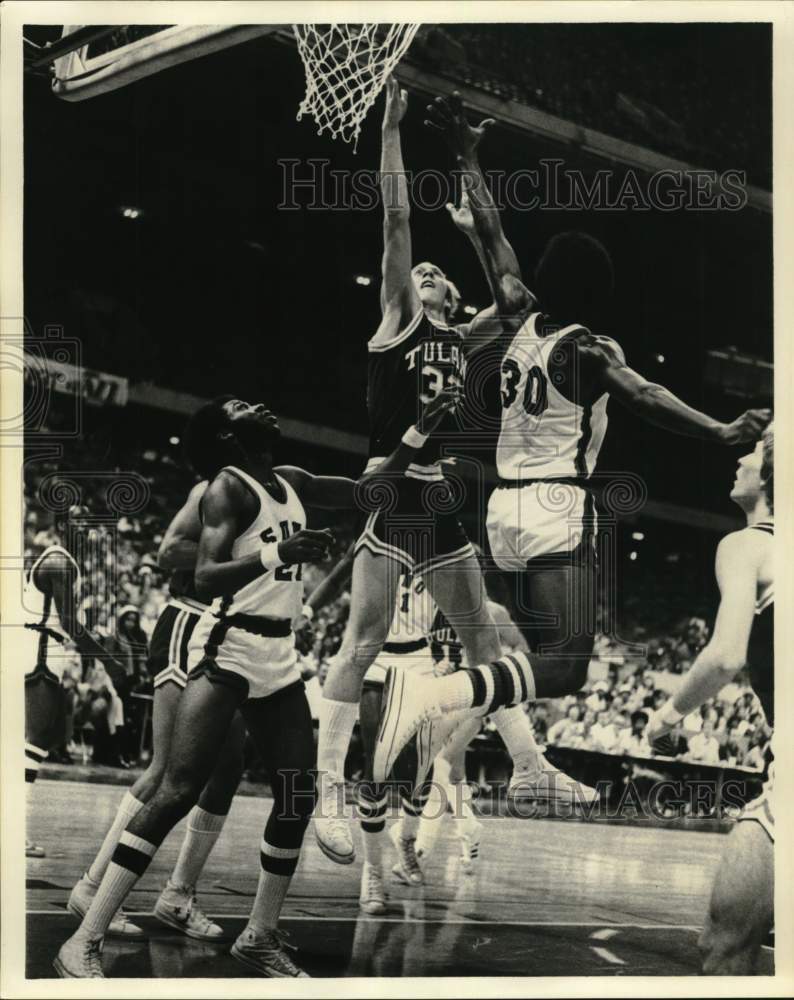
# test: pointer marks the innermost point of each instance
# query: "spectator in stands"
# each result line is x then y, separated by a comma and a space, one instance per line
603, 735
567, 732
704, 746
632, 740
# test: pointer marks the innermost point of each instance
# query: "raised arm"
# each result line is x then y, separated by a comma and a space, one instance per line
398, 298
511, 296
603, 366
226, 513
179, 547
726, 653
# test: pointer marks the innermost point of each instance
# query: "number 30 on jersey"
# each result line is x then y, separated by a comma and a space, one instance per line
535, 398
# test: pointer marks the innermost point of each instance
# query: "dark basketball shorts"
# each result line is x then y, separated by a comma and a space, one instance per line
417, 524
168, 648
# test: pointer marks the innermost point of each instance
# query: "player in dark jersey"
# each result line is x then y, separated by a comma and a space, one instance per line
411, 527
573, 282
742, 899
177, 905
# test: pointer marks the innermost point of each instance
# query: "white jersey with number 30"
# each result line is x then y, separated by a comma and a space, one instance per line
543, 435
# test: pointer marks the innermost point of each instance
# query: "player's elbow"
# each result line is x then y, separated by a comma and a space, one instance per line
726, 659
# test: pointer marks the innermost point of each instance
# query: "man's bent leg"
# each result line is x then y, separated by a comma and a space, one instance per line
372, 601
203, 717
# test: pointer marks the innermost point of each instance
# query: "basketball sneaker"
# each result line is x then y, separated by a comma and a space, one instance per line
404, 708
80, 900
331, 825
267, 955
80, 958
407, 869
177, 907
372, 898
549, 785
469, 846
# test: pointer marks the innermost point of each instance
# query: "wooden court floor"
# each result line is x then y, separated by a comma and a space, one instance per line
549, 898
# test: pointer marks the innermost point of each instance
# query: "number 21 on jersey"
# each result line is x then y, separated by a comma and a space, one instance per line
268, 535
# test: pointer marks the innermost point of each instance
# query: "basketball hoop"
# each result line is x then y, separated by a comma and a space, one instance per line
346, 66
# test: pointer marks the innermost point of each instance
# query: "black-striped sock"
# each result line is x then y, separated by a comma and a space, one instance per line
412, 811
373, 804
507, 681
130, 860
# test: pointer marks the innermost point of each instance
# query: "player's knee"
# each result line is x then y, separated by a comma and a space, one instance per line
180, 789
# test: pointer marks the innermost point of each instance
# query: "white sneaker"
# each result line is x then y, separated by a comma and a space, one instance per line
550, 785
407, 869
177, 907
404, 707
80, 958
80, 900
33, 850
469, 844
267, 955
331, 825
372, 898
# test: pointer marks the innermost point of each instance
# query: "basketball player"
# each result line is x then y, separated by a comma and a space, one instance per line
177, 905
51, 599
242, 657
742, 899
413, 355
556, 379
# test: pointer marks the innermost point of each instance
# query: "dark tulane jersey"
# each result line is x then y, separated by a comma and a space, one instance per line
761, 649
405, 374
444, 641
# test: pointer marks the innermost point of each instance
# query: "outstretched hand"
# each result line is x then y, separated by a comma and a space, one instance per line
461, 215
447, 401
747, 428
396, 103
446, 115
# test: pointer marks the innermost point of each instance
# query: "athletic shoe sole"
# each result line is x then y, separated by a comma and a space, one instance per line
253, 964
165, 918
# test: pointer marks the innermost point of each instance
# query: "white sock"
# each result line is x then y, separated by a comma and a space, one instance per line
462, 810
432, 818
128, 807
132, 855
372, 815
513, 726
337, 719
203, 829
270, 895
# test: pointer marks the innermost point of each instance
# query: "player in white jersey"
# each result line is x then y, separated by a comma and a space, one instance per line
742, 899
556, 380
177, 905
51, 599
253, 543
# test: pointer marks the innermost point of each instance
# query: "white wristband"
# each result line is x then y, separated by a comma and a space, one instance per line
669, 715
269, 556
307, 611
414, 438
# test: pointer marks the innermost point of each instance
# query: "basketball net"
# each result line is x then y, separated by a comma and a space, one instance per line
346, 67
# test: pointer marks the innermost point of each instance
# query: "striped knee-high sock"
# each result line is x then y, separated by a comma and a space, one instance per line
373, 804
278, 865
128, 807
130, 860
34, 758
507, 681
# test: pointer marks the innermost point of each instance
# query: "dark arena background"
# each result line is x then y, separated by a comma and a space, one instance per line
186, 236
